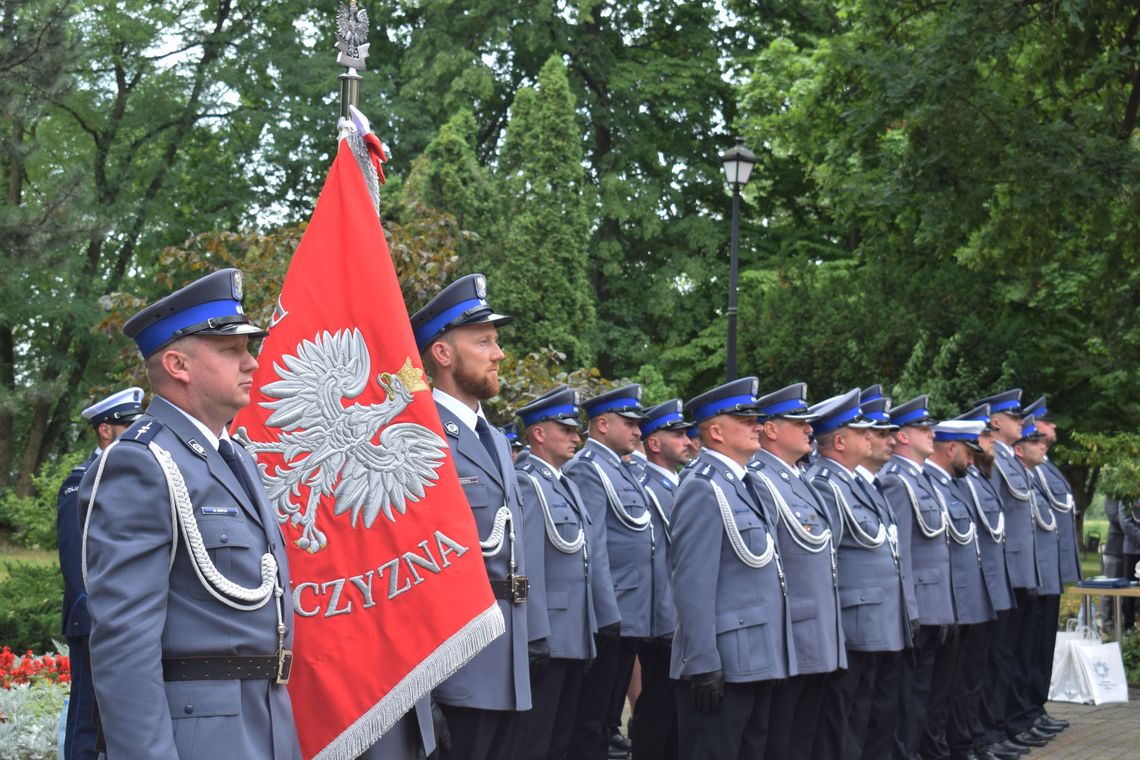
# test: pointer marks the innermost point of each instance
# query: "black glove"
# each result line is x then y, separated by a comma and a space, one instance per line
708, 691
538, 652
664, 646
439, 723
608, 637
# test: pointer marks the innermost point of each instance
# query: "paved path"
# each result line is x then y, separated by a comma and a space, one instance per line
1107, 732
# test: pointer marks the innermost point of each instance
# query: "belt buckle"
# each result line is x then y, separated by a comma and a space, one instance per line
520, 588
284, 665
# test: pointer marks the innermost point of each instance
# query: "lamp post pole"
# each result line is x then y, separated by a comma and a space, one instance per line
737, 163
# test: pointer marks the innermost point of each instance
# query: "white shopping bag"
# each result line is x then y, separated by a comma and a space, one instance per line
1103, 670
1067, 682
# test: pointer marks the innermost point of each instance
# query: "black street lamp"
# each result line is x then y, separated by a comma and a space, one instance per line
737, 162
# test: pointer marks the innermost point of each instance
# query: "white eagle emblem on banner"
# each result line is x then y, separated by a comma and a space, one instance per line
328, 448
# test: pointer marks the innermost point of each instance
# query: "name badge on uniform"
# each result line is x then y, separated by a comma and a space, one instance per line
468, 480
219, 511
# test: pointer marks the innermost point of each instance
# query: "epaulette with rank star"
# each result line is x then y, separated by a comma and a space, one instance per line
143, 430
705, 472
587, 454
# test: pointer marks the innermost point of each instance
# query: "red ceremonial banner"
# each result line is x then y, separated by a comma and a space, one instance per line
390, 594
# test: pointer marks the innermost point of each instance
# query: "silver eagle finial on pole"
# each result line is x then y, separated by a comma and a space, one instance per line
352, 46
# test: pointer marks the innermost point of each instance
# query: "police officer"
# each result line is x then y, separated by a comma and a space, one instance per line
807, 538
1013, 484
977, 717
108, 417
733, 636
456, 333
158, 609
552, 426
614, 496
947, 724
1039, 633
860, 708
510, 431
923, 542
653, 727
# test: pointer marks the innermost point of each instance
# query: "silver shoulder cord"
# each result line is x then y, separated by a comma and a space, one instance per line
1060, 506
923, 528
807, 541
637, 524
1019, 495
959, 538
859, 535
660, 512
998, 533
494, 542
743, 553
1051, 524
182, 517
556, 539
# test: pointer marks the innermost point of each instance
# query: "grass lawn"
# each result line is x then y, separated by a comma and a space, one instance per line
10, 553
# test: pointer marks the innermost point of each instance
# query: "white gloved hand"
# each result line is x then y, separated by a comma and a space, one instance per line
1137, 573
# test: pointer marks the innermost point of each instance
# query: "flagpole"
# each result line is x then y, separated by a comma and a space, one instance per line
352, 46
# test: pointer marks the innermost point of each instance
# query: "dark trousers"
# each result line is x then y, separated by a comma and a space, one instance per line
942, 685
79, 741
964, 731
1042, 670
917, 673
1128, 603
1001, 669
653, 727
882, 723
796, 704
479, 734
737, 731
605, 679
543, 732
1023, 707
859, 709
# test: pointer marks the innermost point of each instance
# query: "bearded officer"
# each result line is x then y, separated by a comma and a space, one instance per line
1059, 493
190, 645
860, 706
926, 554
457, 336
653, 727
552, 426
108, 417
947, 730
805, 533
733, 638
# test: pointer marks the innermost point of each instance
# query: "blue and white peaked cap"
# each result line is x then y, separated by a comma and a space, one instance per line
980, 413
789, 402
839, 412
667, 416
120, 408
210, 305
462, 303
913, 413
1006, 402
737, 397
625, 401
966, 431
560, 405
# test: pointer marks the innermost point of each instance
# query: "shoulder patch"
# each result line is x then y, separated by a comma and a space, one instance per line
586, 454
526, 467
451, 429
142, 431
705, 471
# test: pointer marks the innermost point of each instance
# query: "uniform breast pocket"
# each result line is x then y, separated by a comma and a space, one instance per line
565, 521
478, 496
931, 514
631, 499
743, 641
809, 519
230, 543
752, 530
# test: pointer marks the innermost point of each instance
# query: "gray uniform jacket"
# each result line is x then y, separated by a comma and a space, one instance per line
732, 616
1061, 500
631, 539
1046, 543
662, 493
872, 589
972, 602
1011, 481
498, 678
69, 537
1128, 520
918, 512
1114, 542
810, 564
569, 595
144, 609
979, 495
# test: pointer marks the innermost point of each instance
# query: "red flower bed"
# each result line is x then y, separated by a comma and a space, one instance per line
30, 669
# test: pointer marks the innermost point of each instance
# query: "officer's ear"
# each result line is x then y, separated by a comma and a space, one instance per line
537, 434
771, 429
441, 353
175, 362
653, 443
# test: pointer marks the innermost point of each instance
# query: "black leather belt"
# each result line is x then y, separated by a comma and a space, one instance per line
514, 589
270, 667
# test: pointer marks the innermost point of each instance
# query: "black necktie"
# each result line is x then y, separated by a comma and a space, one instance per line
483, 428
233, 461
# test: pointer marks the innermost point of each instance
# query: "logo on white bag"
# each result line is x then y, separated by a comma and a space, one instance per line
1101, 668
